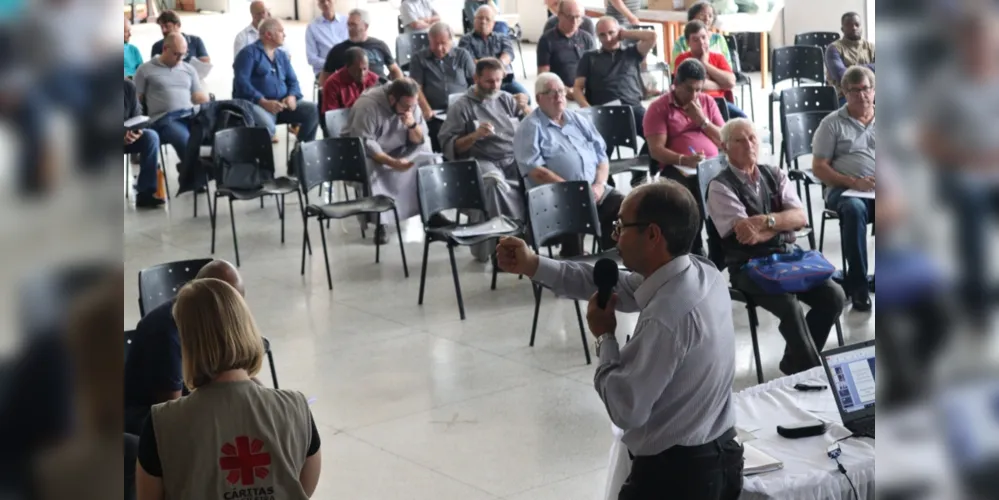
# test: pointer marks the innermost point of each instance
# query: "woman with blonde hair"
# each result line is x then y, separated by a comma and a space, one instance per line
231, 437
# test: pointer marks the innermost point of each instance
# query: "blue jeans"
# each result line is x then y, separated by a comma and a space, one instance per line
854, 215
734, 111
515, 88
174, 129
306, 115
148, 148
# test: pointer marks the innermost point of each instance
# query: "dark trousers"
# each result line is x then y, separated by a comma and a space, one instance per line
854, 215
306, 115
975, 206
131, 450
695, 189
174, 128
804, 334
711, 471
734, 111
434, 127
148, 149
607, 213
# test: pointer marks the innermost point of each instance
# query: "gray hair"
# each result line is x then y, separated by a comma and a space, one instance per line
269, 25
440, 28
563, 3
606, 19
732, 125
855, 75
544, 80
363, 14
485, 7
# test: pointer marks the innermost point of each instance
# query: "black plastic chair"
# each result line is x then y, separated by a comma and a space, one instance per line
561, 209
742, 81
820, 39
408, 44
402, 27
457, 186
159, 284
340, 159
616, 125
706, 172
723, 108
795, 63
129, 338
246, 146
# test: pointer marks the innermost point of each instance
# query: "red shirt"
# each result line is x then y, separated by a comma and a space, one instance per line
664, 116
717, 60
340, 90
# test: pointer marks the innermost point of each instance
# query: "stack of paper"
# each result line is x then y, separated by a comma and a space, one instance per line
757, 462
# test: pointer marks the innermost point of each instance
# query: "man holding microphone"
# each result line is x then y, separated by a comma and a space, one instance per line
670, 388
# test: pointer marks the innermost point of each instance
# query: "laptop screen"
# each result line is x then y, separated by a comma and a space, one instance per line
852, 374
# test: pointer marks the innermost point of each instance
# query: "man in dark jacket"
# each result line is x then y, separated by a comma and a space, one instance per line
146, 144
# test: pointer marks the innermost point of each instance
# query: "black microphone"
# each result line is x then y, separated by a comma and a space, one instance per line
605, 277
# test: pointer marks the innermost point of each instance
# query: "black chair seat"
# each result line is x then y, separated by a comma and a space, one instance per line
280, 185
343, 209
737, 295
629, 164
803, 175
473, 234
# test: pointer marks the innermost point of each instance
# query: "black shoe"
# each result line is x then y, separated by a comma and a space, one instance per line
381, 237
861, 300
146, 200
439, 220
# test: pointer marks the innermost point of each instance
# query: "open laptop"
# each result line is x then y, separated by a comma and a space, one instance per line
851, 371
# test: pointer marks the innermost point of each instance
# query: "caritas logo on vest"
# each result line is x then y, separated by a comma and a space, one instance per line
244, 462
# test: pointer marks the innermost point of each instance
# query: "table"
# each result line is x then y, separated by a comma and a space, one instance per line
672, 22
808, 473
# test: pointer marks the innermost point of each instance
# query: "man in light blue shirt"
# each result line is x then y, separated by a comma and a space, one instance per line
323, 33
554, 144
263, 75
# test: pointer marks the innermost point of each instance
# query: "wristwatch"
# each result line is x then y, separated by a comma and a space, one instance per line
411, 127
600, 341
771, 222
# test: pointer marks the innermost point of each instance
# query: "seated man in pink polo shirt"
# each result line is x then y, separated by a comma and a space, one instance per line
682, 128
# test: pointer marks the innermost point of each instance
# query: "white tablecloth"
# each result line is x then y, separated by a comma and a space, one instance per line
808, 473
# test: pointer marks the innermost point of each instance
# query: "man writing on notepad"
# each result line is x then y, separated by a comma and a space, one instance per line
843, 148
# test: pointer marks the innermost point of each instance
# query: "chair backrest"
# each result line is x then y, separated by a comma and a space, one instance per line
243, 146
331, 159
723, 108
561, 208
129, 337
706, 172
402, 27
160, 283
450, 185
408, 44
336, 121
808, 99
799, 129
733, 51
800, 62
616, 125
820, 39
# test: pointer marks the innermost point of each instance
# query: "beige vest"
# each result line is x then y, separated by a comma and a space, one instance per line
233, 441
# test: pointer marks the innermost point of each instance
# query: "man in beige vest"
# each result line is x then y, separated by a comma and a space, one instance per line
851, 50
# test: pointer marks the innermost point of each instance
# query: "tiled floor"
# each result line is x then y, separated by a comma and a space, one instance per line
412, 402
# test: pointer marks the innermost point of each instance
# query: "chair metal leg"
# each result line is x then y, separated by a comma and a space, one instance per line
770, 121
305, 220
752, 103
208, 201
211, 217
166, 181
457, 285
537, 308
194, 201
582, 331
280, 204
423, 271
270, 361
402, 247
495, 271
811, 220
822, 232
378, 246
261, 203
232, 220
326, 256
753, 322
523, 65
839, 332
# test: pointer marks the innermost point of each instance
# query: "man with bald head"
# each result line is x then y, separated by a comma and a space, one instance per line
258, 13
560, 49
552, 21
486, 42
152, 369
263, 75
171, 90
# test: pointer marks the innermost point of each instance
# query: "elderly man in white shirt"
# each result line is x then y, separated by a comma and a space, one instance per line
259, 12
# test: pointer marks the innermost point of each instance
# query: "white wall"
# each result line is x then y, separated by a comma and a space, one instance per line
817, 15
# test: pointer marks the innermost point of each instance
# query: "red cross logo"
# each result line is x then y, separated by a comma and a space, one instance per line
244, 460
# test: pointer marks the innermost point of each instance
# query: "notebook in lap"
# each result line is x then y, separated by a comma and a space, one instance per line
851, 371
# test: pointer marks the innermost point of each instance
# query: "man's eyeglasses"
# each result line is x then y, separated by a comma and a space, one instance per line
860, 90
620, 226
558, 92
